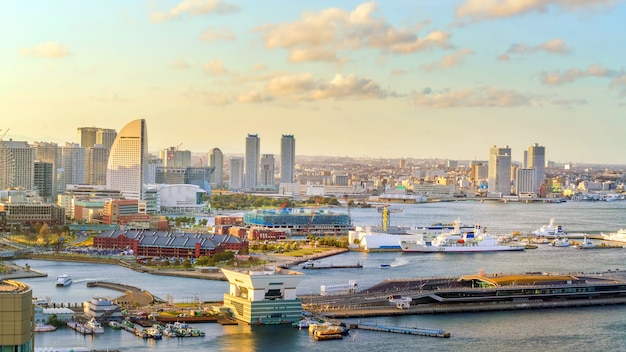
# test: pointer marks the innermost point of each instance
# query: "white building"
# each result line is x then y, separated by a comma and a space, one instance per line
236, 173
181, 197
128, 160
287, 159
16, 165
216, 161
500, 170
252, 160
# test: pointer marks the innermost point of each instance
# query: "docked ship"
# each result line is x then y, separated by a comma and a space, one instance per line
619, 236
458, 241
549, 230
64, 280
94, 326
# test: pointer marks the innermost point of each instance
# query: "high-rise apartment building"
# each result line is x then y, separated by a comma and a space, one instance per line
500, 170
235, 176
43, 176
50, 153
74, 163
287, 159
16, 165
16, 317
252, 160
97, 160
267, 171
128, 160
525, 182
216, 161
106, 137
87, 137
537, 160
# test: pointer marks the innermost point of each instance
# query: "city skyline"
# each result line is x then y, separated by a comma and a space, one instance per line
379, 79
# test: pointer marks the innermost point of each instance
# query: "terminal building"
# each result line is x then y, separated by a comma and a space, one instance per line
264, 297
16, 317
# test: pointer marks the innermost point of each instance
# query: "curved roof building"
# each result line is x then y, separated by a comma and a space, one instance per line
128, 159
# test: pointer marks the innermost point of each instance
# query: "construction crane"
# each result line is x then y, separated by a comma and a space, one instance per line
317, 202
4, 134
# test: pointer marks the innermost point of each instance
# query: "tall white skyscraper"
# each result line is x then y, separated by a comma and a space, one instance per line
499, 177
287, 159
97, 160
128, 160
236, 173
252, 160
216, 161
537, 160
16, 165
267, 171
74, 163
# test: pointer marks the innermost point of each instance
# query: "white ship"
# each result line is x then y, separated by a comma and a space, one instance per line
350, 287
619, 236
457, 241
64, 280
549, 230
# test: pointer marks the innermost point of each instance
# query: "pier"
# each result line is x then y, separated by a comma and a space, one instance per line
132, 295
402, 330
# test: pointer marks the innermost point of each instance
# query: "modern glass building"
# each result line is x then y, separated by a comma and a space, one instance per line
252, 161
500, 170
537, 160
287, 159
236, 173
216, 161
299, 222
128, 160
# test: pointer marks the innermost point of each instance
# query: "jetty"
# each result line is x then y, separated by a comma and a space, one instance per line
132, 295
402, 330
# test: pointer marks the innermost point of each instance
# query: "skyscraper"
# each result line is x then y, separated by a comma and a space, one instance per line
128, 160
499, 177
267, 171
96, 165
74, 158
537, 160
216, 161
43, 178
50, 153
252, 160
16, 165
174, 157
287, 159
106, 137
236, 173
88, 136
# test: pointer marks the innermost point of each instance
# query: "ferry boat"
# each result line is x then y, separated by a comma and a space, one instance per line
549, 230
64, 280
457, 241
39, 327
81, 328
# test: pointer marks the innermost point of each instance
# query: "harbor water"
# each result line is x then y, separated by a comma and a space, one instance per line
600, 328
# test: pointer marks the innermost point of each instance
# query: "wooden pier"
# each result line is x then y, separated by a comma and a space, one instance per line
403, 330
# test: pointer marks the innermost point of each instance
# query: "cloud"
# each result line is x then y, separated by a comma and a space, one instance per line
554, 46
179, 64
448, 61
504, 57
291, 85
215, 68
188, 8
477, 97
619, 83
259, 67
111, 97
569, 103
213, 35
46, 50
348, 86
324, 35
254, 97
569, 76
479, 10
208, 97
399, 72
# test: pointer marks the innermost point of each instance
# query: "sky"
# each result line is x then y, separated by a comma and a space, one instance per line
382, 79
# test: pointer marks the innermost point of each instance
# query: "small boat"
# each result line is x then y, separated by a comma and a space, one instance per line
64, 280
585, 244
384, 266
560, 242
39, 327
95, 326
115, 325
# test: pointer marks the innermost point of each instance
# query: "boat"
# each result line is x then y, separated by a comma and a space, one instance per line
585, 244
39, 327
457, 241
115, 325
619, 236
549, 230
64, 280
560, 242
81, 328
328, 332
384, 266
95, 326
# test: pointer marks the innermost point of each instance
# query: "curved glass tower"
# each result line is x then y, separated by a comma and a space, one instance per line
128, 159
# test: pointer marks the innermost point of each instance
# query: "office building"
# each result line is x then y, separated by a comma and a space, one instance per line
87, 137
499, 177
128, 160
235, 176
174, 157
537, 160
267, 172
43, 176
16, 317
525, 185
96, 166
50, 153
252, 160
216, 161
16, 165
106, 137
287, 159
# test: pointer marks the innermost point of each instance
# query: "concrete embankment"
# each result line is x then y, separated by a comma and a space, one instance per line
12, 272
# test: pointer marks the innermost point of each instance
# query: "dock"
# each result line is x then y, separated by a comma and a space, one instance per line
403, 330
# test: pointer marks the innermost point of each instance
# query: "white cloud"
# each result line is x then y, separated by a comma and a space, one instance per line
554, 46
209, 97
188, 8
291, 84
449, 61
47, 50
254, 97
477, 10
477, 97
213, 35
215, 68
324, 35
558, 77
620, 83
349, 86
